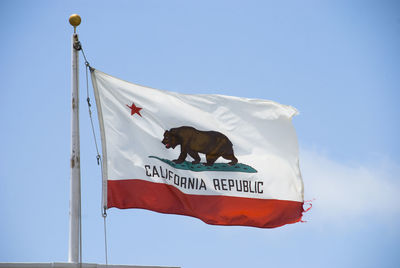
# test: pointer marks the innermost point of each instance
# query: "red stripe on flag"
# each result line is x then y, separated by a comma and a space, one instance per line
214, 209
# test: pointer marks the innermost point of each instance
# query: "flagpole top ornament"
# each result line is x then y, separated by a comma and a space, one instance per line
75, 20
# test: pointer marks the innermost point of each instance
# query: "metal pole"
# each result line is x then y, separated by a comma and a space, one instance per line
75, 191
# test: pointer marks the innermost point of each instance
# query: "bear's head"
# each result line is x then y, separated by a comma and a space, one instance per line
170, 139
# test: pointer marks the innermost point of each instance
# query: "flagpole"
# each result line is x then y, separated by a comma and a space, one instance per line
75, 190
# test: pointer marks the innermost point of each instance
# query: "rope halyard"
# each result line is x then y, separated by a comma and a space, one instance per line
105, 236
98, 156
80, 232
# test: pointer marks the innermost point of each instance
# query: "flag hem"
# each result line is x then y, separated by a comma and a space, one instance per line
103, 140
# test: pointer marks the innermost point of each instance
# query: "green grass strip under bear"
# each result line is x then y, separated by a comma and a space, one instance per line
215, 167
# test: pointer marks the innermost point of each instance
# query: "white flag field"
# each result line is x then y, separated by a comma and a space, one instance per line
224, 160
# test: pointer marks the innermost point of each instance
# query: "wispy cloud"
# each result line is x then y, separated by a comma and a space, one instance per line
345, 190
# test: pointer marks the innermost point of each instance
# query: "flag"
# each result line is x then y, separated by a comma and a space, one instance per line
224, 160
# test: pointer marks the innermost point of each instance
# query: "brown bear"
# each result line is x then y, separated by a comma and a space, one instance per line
192, 141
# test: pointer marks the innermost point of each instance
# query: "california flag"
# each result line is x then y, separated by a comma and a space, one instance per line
224, 160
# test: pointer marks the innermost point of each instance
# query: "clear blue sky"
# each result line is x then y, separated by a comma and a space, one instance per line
337, 62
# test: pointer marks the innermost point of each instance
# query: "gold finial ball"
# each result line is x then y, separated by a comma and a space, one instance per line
75, 20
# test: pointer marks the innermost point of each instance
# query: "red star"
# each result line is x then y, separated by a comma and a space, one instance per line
134, 109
